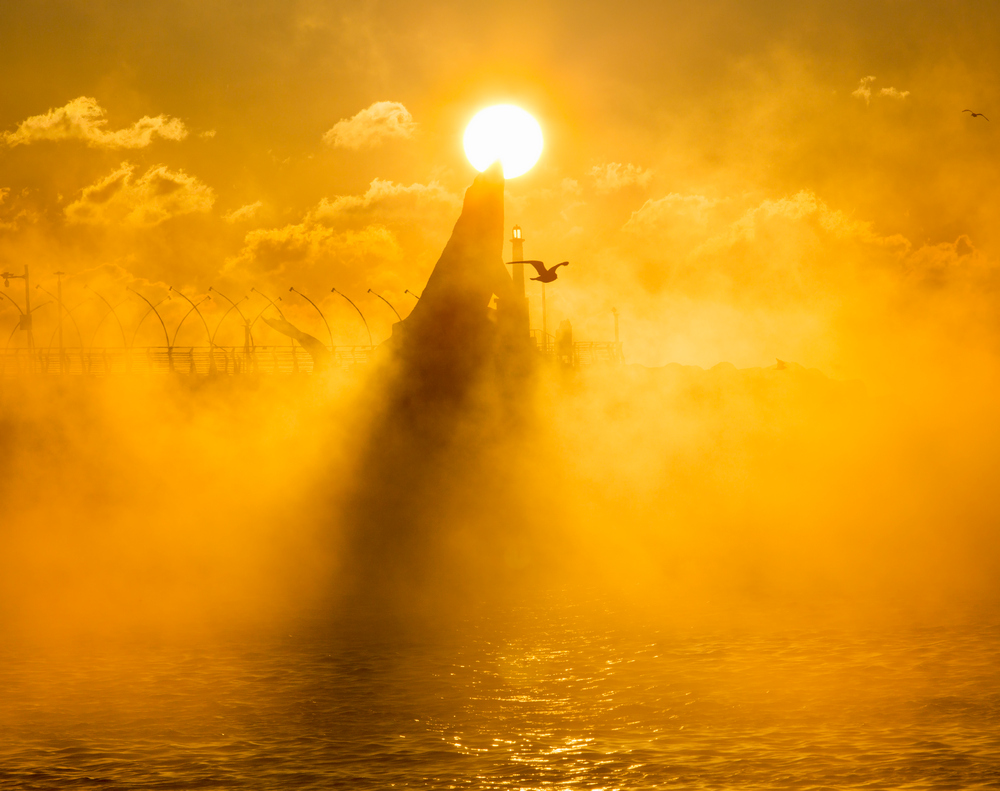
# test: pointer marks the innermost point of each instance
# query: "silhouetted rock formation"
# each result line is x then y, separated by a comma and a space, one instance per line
446, 340
430, 481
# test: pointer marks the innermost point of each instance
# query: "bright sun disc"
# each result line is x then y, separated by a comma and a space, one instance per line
503, 132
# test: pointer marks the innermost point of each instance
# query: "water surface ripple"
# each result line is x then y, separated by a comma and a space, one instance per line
551, 704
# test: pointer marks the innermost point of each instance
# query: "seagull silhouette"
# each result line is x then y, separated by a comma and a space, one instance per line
544, 275
975, 115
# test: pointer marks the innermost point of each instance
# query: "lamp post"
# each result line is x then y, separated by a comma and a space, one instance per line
60, 309
415, 296
166, 335
362, 315
152, 308
255, 291
247, 337
387, 302
26, 313
194, 307
320, 312
112, 310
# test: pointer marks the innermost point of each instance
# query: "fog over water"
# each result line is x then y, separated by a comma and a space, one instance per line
761, 551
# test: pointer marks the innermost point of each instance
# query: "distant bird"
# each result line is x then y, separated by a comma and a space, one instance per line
544, 275
975, 115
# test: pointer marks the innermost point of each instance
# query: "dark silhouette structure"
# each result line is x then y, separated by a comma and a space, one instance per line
456, 382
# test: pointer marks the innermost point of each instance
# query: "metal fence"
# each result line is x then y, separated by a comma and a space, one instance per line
178, 359
230, 360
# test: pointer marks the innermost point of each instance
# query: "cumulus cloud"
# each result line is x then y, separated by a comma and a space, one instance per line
157, 195
243, 213
864, 90
614, 175
372, 126
352, 229
15, 213
83, 119
654, 213
805, 206
892, 93
385, 196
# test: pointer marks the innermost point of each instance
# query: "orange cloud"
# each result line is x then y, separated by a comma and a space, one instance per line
83, 119
614, 175
243, 213
864, 90
372, 126
157, 195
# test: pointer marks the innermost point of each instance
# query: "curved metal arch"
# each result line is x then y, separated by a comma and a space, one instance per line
152, 308
13, 302
320, 312
208, 332
362, 315
228, 311
234, 305
69, 313
387, 302
112, 310
180, 324
255, 291
258, 315
18, 325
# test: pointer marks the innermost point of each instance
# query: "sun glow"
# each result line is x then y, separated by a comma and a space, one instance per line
503, 132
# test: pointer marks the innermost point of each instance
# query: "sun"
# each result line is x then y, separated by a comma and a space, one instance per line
503, 132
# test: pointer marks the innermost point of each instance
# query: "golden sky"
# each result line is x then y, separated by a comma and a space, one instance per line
743, 181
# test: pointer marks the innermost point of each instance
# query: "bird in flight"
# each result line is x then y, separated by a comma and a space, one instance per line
544, 275
975, 115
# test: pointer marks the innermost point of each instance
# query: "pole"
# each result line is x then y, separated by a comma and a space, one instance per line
545, 324
320, 312
59, 329
362, 315
387, 302
27, 309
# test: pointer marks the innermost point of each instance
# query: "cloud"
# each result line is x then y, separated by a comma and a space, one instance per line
385, 197
157, 195
864, 90
372, 126
243, 213
806, 206
614, 175
892, 93
17, 213
352, 231
655, 213
83, 119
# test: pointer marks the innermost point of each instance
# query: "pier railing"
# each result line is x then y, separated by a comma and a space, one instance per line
282, 359
229, 360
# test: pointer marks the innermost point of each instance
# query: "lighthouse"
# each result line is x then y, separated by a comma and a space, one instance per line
520, 301
517, 254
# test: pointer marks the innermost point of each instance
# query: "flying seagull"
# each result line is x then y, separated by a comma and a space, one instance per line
975, 115
544, 275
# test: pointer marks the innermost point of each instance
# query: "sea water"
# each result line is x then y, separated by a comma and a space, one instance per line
546, 698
